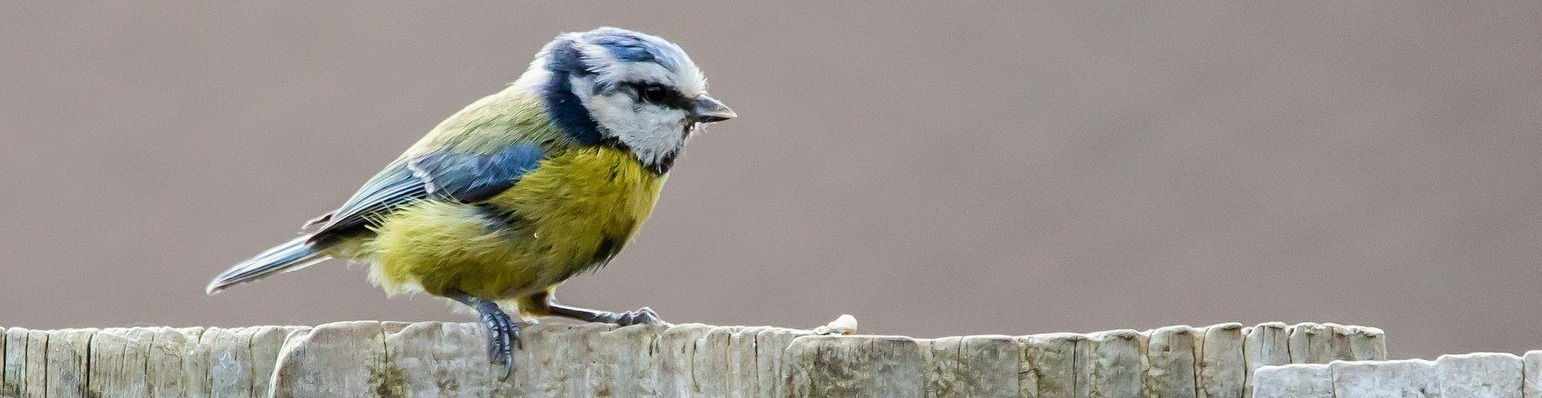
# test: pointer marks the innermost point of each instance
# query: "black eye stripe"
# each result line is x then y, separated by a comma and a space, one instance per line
660, 94
654, 94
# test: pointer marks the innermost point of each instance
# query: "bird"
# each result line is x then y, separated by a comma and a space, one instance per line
523, 189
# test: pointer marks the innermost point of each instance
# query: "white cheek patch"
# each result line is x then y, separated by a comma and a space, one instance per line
652, 131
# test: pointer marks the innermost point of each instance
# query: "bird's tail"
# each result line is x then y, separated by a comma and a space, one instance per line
290, 256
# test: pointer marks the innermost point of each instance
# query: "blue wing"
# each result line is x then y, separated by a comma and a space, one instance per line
450, 176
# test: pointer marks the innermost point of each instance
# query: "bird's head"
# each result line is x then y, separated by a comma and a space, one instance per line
619, 87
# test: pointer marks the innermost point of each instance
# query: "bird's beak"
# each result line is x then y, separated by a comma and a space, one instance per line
709, 110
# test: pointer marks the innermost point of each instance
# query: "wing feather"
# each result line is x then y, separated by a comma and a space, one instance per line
456, 176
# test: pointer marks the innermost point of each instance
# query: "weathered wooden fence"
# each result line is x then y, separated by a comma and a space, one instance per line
368, 358
1452, 376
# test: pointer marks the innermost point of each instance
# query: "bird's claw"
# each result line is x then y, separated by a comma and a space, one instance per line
502, 337
642, 316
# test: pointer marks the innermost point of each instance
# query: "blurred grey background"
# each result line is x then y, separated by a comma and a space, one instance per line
933, 169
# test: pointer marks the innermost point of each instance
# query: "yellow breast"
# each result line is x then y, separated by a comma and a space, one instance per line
572, 213
581, 198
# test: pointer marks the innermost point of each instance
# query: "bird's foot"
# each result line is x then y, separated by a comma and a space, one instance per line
642, 316
502, 332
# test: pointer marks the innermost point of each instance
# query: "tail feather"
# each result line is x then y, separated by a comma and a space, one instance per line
290, 256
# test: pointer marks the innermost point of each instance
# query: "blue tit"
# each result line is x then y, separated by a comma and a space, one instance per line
522, 189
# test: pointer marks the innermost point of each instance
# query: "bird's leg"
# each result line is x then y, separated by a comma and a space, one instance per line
642, 316
502, 333
545, 304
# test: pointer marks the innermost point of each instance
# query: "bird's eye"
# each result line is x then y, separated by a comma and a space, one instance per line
654, 94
